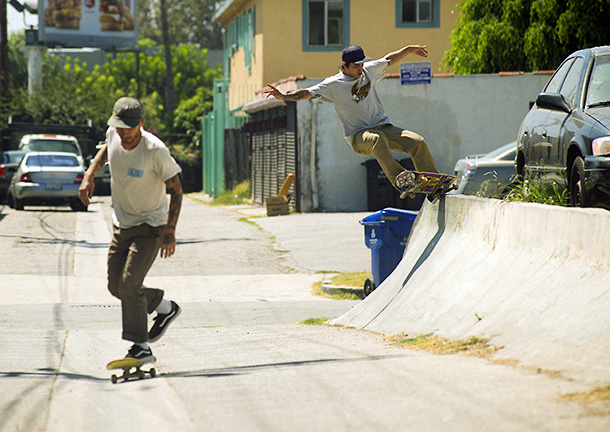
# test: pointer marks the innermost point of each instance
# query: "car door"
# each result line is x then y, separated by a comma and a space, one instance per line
533, 137
559, 125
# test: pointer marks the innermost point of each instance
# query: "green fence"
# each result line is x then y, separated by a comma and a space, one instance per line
213, 138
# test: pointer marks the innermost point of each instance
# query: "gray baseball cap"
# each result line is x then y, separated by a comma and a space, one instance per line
127, 113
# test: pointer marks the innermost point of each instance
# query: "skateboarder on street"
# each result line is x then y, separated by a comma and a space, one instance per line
142, 169
361, 113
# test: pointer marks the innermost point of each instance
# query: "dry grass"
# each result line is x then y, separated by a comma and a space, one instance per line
473, 346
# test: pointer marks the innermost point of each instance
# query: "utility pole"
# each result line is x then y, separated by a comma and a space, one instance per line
4, 75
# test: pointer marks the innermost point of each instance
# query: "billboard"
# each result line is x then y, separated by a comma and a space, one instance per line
88, 23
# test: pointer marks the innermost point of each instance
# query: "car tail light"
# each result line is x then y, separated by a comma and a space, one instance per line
2, 171
25, 178
601, 146
79, 179
470, 170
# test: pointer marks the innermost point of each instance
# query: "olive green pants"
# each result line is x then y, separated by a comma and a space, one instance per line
381, 141
131, 254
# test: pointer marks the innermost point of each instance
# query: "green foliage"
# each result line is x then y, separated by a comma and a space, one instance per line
190, 22
240, 194
526, 35
531, 190
72, 95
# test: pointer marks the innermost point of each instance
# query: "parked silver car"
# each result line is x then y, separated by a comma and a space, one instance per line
48, 178
491, 175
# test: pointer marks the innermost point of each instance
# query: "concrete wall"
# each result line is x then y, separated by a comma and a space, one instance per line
534, 279
457, 115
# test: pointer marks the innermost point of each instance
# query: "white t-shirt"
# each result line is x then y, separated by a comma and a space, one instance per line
138, 179
356, 101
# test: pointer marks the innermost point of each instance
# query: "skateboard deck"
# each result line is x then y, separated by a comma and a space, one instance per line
131, 368
432, 184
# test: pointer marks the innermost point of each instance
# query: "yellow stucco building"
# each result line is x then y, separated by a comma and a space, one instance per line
267, 41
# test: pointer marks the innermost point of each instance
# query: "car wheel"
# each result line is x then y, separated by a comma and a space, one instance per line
17, 204
578, 192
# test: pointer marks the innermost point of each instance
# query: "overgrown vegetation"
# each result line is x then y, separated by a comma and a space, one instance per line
240, 194
473, 346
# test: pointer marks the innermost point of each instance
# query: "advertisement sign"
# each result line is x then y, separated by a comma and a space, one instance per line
88, 23
415, 73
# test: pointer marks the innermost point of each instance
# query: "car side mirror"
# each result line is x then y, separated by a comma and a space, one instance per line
553, 101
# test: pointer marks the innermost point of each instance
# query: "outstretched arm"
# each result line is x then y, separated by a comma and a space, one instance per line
396, 56
168, 241
85, 191
296, 95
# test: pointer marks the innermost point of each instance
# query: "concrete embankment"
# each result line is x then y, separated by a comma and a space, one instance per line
533, 279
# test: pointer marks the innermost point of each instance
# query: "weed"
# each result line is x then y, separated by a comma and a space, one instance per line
314, 321
240, 194
535, 191
473, 346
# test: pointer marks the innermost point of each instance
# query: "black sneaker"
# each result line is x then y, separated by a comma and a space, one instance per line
145, 355
162, 322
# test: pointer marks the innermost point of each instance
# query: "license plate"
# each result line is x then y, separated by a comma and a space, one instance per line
53, 186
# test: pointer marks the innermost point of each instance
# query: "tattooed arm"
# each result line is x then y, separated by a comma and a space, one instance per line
168, 241
296, 95
85, 191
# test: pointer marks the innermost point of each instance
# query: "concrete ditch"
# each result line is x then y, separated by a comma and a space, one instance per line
531, 278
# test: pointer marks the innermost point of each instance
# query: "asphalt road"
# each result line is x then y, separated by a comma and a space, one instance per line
236, 359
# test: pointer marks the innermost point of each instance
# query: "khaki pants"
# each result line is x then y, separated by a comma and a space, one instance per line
131, 254
381, 141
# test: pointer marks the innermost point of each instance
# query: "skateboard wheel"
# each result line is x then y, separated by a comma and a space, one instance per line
140, 373
152, 372
113, 379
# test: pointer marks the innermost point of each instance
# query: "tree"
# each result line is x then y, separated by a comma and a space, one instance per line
526, 35
190, 22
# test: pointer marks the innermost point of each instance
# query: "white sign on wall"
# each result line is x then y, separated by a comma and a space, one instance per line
415, 73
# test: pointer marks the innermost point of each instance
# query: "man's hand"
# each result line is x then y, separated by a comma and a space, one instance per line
274, 92
168, 242
419, 50
85, 191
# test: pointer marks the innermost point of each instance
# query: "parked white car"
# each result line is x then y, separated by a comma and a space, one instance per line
491, 175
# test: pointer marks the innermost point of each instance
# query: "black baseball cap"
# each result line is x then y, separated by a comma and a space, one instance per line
354, 54
127, 113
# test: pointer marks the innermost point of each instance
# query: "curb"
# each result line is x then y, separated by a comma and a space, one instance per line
335, 289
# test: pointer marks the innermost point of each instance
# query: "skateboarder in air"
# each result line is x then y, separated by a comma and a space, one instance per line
142, 169
358, 106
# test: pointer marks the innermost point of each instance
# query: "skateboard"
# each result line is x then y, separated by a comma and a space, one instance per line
127, 364
434, 185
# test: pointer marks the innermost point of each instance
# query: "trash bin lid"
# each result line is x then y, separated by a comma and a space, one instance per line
398, 220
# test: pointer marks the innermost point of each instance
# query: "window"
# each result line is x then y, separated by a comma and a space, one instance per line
325, 24
417, 13
570, 85
557, 79
599, 83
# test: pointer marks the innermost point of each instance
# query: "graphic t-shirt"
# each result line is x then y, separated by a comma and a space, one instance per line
356, 101
138, 179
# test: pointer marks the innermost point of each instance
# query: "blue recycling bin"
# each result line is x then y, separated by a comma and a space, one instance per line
386, 233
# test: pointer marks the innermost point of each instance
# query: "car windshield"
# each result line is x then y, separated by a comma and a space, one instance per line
52, 146
52, 160
599, 83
